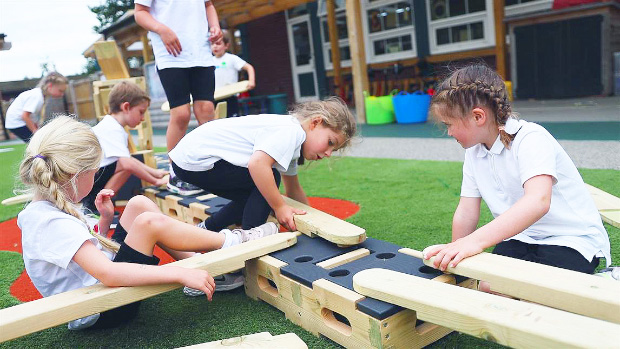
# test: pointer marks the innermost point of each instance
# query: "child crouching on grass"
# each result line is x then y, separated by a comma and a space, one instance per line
542, 210
61, 253
128, 103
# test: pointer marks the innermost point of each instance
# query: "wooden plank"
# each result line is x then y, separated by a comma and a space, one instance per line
359, 70
500, 37
607, 204
19, 199
256, 340
110, 60
335, 45
330, 228
220, 110
564, 289
44, 313
344, 259
220, 93
494, 318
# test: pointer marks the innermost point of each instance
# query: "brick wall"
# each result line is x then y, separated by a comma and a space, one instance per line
269, 54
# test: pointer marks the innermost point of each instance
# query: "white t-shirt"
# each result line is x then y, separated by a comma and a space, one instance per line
227, 69
113, 139
236, 139
30, 101
188, 20
498, 175
50, 239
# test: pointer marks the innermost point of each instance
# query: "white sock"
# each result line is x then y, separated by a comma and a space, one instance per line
231, 239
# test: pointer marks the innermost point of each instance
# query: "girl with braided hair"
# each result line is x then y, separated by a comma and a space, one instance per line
60, 251
542, 209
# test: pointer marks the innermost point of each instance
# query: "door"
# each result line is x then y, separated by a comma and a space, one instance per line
302, 58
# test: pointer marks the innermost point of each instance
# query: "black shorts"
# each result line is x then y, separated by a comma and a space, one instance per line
23, 133
179, 83
117, 316
556, 256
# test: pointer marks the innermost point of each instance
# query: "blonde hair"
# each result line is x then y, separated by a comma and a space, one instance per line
57, 153
476, 86
53, 78
334, 113
126, 91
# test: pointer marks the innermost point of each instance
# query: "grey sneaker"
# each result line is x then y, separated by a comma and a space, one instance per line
612, 273
177, 186
263, 230
223, 283
201, 225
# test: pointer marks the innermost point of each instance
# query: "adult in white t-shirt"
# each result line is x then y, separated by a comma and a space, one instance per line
227, 68
181, 32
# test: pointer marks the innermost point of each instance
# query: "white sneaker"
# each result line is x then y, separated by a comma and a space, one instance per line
263, 230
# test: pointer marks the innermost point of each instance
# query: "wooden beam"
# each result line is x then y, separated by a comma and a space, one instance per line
455, 56
498, 319
30, 317
335, 46
256, 341
147, 51
564, 289
500, 38
359, 70
330, 228
247, 12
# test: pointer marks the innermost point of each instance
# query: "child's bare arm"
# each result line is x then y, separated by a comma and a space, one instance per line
260, 167
251, 75
32, 126
103, 203
526, 211
215, 33
465, 217
294, 189
130, 274
140, 170
144, 19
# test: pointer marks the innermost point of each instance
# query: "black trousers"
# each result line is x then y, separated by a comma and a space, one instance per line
247, 206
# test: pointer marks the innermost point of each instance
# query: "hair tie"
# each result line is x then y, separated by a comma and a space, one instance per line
502, 128
41, 157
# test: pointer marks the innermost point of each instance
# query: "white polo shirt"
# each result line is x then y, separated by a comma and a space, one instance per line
236, 139
113, 139
498, 175
227, 69
30, 101
188, 20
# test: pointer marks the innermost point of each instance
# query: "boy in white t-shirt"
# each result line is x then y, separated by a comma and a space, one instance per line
227, 68
128, 103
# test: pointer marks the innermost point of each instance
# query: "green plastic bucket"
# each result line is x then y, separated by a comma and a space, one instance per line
379, 110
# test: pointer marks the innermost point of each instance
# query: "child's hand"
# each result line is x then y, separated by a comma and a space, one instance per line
160, 173
215, 34
103, 203
200, 280
251, 85
161, 182
452, 253
285, 214
171, 41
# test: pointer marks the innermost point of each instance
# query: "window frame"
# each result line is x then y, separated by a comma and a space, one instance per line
370, 38
532, 6
488, 24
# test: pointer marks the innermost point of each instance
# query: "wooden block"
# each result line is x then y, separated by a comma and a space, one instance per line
44, 313
19, 199
172, 208
332, 310
256, 340
220, 110
611, 217
330, 228
110, 60
607, 204
579, 293
495, 318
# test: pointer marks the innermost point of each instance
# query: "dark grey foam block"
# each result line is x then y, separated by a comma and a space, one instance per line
303, 256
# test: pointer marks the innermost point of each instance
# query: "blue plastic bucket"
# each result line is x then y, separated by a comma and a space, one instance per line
411, 107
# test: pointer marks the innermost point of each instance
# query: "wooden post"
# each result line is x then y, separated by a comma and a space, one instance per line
146, 49
335, 46
359, 70
500, 38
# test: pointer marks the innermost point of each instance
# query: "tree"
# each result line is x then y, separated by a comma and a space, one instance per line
110, 11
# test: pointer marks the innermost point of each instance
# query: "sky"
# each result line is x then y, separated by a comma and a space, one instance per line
40, 31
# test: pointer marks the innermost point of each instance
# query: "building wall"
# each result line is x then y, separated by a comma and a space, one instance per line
268, 51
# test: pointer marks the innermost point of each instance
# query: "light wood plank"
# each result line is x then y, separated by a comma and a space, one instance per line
564, 289
44, 313
343, 259
494, 318
330, 228
256, 340
19, 199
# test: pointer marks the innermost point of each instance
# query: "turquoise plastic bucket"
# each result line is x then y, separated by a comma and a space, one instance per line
411, 107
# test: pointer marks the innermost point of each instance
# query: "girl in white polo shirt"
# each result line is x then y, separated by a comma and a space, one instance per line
19, 115
542, 210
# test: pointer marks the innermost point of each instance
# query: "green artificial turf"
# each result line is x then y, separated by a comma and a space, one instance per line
406, 202
9, 162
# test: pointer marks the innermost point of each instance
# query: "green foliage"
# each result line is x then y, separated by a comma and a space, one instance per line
108, 12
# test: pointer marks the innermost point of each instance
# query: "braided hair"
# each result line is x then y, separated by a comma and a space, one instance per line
476, 86
56, 155
53, 78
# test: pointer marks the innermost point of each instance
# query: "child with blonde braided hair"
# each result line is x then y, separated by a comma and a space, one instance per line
62, 253
542, 210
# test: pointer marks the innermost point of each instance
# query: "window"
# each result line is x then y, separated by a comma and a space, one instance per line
343, 36
459, 25
518, 7
391, 30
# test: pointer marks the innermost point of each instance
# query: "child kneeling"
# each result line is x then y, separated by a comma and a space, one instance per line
61, 253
